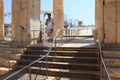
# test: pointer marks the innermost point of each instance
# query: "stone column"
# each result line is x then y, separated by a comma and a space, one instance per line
110, 21
58, 14
118, 21
99, 19
1, 20
25, 17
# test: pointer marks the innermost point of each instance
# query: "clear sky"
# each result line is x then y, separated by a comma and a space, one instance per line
83, 10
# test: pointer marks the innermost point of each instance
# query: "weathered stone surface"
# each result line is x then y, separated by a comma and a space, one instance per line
114, 72
111, 58
99, 18
4, 62
1, 20
58, 14
3, 70
25, 17
118, 21
110, 21
112, 61
111, 54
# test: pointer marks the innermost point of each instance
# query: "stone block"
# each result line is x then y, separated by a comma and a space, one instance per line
114, 72
111, 54
110, 21
4, 62
112, 62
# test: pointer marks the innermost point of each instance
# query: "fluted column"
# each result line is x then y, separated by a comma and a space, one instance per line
25, 17
1, 20
99, 18
118, 21
58, 13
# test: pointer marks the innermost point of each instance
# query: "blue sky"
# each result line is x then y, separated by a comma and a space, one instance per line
83, 10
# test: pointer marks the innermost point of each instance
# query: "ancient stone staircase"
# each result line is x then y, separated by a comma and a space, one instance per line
6, 64
65, 59
8, 56
67, 62
112, 61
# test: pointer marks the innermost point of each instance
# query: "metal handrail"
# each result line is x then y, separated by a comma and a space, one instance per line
103, 63
34, 38
102, 60
28, 66
41, 57
69, 33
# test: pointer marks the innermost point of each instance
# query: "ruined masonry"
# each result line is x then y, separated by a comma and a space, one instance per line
26, 17
107, 20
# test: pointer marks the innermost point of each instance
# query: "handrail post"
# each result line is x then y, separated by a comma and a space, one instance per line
72, 34
66, 33
78, 31
29, 70
69, 34
61, 38
34, 37
46, 67
8, 60
55, 48
55, 44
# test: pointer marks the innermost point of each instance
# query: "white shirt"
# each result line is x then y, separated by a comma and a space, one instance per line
50, 24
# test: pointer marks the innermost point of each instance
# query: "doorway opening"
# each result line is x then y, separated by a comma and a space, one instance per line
7, 18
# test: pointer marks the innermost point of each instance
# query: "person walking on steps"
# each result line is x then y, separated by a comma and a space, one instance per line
49, 27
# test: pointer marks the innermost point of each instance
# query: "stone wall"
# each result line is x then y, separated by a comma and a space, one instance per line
108, 20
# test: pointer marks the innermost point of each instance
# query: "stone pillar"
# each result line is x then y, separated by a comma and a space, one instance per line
25, 17
118, 21
58, 14
110, 21
1, 20
99, 19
